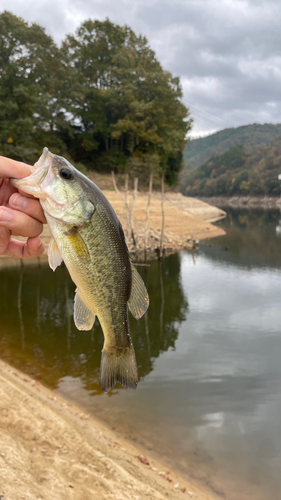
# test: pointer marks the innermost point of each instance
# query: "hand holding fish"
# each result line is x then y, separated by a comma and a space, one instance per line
20, 215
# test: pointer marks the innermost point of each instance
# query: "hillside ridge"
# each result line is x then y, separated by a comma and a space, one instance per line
197, 151
240, 171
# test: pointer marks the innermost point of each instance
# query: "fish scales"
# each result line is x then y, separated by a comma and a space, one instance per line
106, 279
88, 236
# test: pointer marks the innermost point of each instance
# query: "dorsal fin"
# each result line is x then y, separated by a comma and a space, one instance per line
139, 300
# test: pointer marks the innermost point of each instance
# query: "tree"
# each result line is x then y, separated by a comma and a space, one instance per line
29, 88
102, 98
173, 168
124, 102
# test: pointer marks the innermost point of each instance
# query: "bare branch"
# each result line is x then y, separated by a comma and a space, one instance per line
163, 215
148, 209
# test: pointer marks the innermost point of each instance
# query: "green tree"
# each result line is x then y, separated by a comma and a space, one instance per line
29, 88
124, 103
223, 185
236, 184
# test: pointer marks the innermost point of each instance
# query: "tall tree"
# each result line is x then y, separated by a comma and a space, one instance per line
124, 103
29, 88
103, 97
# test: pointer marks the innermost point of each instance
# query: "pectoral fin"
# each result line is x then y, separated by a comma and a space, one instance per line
77, 243
54, 255
83, 317
139, 300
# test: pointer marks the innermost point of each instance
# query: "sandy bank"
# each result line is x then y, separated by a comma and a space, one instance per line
50, 449
185, 218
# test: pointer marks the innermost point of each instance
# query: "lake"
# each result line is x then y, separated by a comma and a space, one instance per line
208, 403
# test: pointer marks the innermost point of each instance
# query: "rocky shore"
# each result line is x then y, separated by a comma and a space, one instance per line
265, 202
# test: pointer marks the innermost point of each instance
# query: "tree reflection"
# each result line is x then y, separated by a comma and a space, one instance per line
20, 308
168, 308
53, 348
250, 239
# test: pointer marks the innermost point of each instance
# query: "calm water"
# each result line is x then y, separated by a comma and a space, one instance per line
209, 399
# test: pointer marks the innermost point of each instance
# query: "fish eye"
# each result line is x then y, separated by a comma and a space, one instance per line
66, 174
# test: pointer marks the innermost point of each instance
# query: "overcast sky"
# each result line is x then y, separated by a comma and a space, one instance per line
227, 53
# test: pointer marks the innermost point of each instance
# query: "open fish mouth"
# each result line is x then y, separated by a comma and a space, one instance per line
42, 159
33, 183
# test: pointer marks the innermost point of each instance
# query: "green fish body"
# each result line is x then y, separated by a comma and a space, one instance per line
88, 236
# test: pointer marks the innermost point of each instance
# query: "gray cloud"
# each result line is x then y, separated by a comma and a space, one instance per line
227, 52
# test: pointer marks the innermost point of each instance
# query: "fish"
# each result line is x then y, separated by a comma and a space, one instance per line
88, 237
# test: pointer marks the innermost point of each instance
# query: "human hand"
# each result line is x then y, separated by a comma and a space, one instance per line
20, 215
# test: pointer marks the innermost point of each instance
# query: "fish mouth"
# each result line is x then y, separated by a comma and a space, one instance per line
32, 183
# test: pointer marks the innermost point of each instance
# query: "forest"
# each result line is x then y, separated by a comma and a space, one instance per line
101, 99
240, 171
197, 151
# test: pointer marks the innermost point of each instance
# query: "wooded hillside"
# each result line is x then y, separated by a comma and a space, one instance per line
197, 151
240, 171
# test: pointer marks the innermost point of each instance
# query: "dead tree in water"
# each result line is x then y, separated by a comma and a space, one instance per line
139, 167
125, 200
147, 211
127, 206
163, 215
115, 186
135, 195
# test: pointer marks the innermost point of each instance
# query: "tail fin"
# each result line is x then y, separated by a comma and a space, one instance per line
120, 367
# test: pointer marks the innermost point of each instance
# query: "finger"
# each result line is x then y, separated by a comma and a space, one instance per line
6, 191
13, 168
29, 206
19, 223
29, 249
4, 239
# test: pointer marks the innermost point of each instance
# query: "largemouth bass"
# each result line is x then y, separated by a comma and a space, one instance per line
88, 236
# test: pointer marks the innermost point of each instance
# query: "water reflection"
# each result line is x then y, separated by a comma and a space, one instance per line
250, 239
36, 310
278, 228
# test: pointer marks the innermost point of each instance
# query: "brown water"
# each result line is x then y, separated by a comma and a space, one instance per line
209, 398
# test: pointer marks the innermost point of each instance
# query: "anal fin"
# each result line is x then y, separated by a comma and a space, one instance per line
84, 318
139, 300
118, 366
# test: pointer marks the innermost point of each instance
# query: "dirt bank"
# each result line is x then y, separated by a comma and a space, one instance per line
50, 449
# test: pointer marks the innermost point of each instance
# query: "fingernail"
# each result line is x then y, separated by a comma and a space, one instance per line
5, 215
19, 201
